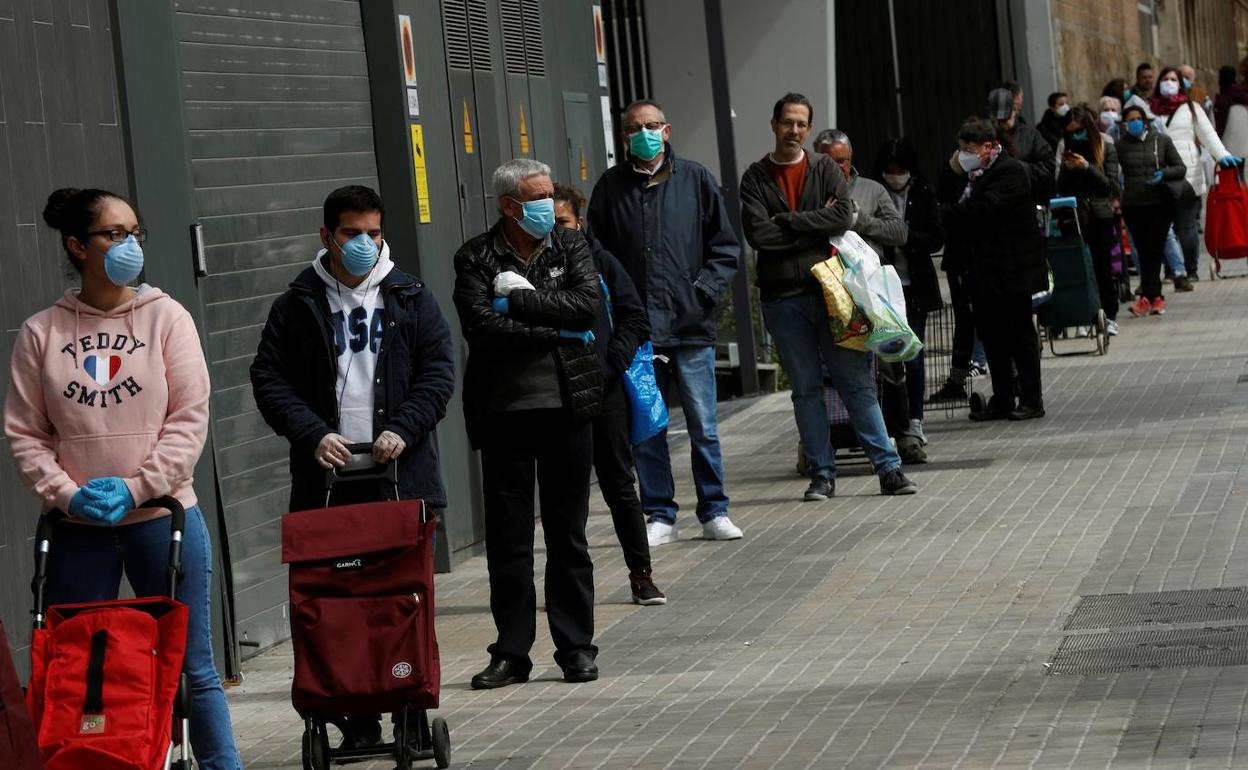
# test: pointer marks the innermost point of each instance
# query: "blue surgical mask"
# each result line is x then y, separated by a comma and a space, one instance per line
360, 254
124, 261
646, 144
1135, 127
538, 218
1187, 84
1080, 136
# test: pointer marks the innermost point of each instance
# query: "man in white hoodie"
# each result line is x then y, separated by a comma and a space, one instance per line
379, 332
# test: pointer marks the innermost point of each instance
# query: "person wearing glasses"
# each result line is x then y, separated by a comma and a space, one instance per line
664, 218
108, 409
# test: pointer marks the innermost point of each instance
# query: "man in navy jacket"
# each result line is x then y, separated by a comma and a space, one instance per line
664, 218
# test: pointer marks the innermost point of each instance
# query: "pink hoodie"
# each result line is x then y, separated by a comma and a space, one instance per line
118, 393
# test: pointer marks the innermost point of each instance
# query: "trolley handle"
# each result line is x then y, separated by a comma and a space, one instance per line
43, 544
387, 472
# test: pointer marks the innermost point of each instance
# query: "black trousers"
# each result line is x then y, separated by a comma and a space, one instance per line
1149, 226
546, 447
613, 464
963, 324
1101, 237
1005, 327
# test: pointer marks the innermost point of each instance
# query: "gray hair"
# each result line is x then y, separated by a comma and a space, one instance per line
831, 136
644, 103
507, 177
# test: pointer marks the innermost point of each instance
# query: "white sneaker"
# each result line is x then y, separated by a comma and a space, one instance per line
916, 431
1111, 327
660, 533
720, 528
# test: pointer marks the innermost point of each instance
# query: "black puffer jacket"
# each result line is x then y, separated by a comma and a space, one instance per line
925, 237
1094, 187
992, 237
622, 324
1140, 159
566, 295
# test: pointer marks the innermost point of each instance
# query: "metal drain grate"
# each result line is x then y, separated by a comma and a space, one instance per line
1211, 606
1114, 652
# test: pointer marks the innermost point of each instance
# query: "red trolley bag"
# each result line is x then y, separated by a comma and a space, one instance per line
106, 689
1226, 219
362, 620
18, 749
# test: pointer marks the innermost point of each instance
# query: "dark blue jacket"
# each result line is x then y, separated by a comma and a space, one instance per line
617, 337
675, 241
294, 377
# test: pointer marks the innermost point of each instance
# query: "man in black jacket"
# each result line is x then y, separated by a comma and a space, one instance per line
994, 241
527, 295
664, 218
356, 351
620, 330
1024, 144
791, 204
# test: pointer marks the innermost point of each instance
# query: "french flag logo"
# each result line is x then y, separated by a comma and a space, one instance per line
102, 369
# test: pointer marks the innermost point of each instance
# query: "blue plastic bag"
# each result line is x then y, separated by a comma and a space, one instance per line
647, 411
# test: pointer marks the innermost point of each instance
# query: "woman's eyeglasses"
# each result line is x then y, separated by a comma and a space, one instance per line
117, 235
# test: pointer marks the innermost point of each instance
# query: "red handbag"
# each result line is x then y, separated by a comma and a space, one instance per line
1226, 218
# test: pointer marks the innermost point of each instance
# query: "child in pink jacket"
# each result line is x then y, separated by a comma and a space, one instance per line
107, 409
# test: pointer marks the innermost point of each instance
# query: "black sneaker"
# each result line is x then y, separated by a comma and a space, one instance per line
894, 482
1183, 283
821, 488
950, 391
911, 451
645, 592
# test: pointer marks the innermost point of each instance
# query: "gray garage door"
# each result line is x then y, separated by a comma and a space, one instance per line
278, 114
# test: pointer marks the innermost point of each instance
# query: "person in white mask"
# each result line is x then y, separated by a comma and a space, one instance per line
1108, 116
1053, 122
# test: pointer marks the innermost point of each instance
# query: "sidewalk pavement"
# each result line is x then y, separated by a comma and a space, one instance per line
871, 631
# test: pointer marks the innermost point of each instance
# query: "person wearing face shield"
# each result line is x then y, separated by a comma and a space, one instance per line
107, 409
993, 242
528, 296
1024, 144
664, 218
1053, 123
356, 351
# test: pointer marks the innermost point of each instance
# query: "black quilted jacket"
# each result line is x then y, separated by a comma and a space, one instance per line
566, 295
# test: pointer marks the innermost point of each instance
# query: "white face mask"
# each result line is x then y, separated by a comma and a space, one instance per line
969, 161
1062, 110
1169, 87
897, 181
1109, 118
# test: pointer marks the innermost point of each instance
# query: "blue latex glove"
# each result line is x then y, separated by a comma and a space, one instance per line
1230, 161
114, 499
582, 337
1158, 177
85, 504
501, 305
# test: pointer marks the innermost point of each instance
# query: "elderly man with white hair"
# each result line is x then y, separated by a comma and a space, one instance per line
527, 295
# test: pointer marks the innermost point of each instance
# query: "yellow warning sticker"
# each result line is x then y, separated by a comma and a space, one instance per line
422, 180
584, 167
524, 133
467, 130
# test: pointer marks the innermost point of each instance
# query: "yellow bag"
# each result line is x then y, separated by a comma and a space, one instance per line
850, 327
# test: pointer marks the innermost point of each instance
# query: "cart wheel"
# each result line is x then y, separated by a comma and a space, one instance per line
441, 743
315, 745
977, 403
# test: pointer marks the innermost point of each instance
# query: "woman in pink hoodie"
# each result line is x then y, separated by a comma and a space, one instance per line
107, 409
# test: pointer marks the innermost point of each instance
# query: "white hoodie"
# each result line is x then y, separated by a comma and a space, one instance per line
358, 319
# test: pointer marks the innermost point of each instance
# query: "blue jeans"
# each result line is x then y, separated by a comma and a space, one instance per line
85, 564
1174, 254
694, 370
799, 326
916, 370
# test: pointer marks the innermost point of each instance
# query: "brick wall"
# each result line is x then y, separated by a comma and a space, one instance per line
1098, 40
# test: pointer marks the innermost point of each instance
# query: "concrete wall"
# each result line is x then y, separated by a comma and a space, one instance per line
772, 47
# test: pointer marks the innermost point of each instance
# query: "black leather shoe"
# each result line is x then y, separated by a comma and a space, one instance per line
580, 667
1026, 412
500, 673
